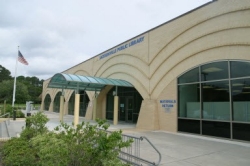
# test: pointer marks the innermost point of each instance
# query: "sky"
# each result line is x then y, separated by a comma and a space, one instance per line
54, 35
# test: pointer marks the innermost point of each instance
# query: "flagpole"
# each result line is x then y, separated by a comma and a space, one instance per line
14, 89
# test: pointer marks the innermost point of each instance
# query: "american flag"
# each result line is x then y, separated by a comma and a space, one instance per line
22, 59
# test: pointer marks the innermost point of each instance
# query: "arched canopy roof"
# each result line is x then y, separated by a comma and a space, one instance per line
88, 83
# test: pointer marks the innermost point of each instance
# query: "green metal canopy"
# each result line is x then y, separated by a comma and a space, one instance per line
88, 83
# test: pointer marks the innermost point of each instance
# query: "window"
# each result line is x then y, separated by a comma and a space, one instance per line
218, 103
189, 101
214, 71
241, 100
240, 69
215, 100
190, 76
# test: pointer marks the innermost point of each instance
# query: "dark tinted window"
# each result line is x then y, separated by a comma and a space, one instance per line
217, 129
241, 131
190, 126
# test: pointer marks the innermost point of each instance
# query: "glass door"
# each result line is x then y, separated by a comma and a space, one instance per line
126, 108
129, 109
122, 113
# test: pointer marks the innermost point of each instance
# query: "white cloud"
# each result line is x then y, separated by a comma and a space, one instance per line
56, 35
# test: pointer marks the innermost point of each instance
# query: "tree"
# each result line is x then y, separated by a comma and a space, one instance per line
4, 74
34, 86
6, 92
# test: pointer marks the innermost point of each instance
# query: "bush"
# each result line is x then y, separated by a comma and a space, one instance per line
88, 145
19, 113
17, 152
35, 125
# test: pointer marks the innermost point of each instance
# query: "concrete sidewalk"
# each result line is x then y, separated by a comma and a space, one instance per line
177, 149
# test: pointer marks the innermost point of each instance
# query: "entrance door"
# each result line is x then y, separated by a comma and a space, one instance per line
126, 109
130, 109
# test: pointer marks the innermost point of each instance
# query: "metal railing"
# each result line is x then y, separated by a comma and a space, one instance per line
6, 123
132, 154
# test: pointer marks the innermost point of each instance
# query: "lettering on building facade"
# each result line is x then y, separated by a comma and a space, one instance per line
122, 47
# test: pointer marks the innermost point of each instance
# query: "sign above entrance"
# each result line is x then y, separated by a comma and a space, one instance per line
123, 47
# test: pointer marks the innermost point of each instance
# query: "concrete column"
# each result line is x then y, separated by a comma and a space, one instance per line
94, 108
76, 110
66, 108
89, 113
116, 102
42, 105
51, 106
61, 107
148, 116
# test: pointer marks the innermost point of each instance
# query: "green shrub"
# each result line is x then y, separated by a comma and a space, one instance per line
92, 145
85, 144
19, 113
17, 152
35, 125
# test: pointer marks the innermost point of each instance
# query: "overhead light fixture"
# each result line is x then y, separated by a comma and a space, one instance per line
238, 84
212, 69
236, 90
207, 86
246, 87
221, 89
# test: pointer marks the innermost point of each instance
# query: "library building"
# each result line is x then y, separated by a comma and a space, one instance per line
188, 75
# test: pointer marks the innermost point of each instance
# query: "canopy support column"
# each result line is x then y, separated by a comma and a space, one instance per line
76, 110
94, 108
95, 105
116, 107
61, 107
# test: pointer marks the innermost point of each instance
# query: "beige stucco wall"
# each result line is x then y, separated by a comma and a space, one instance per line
168, 117
217, 31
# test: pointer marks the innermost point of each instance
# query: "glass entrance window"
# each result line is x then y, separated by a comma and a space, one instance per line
83, 105
71, 104
47, 102
122, 110
223, 97
126, 109
130, 108
57, 102
84, 101
129, 104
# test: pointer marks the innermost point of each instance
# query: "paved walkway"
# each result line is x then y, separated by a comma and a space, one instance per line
176, 149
